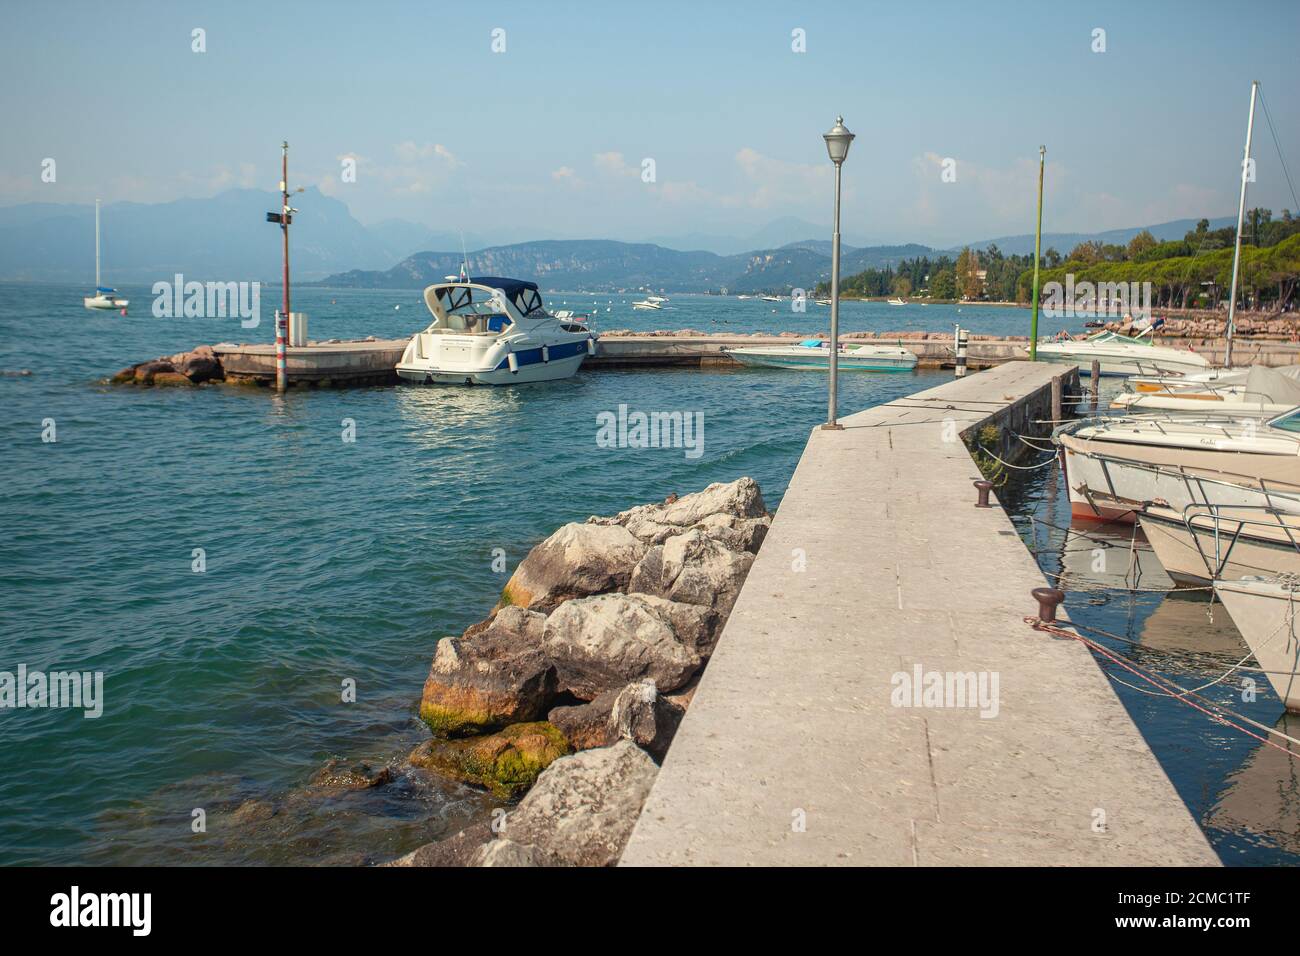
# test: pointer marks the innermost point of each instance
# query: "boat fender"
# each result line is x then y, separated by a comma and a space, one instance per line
546, 353
513, 361
591, 346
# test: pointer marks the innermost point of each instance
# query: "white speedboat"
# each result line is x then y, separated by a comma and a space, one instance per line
896, 301
1202, 543
105, 298
1113, 467
816, 354
1266, 611
1122, 355
651, 303
770, 298
1263, 392
493, 331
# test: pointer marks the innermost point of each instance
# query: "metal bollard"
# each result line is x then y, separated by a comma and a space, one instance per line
961, 351
984, 488
1048, 599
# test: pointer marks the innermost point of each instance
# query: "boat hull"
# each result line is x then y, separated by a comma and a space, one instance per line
1192, 553
813, 362
1268, 617
527, 374
104, 303
1120, 365
1105, 485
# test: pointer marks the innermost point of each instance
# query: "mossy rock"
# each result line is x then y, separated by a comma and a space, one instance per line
170, 379
124, 377
507, 762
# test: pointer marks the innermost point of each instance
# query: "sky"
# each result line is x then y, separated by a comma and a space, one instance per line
548, 135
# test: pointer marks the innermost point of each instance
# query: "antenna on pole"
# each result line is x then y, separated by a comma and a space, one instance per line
283, 218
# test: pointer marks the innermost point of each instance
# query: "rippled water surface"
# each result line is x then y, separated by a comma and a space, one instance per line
329, 561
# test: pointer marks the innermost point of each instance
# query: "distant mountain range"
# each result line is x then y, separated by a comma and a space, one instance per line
1063, 242
606, 265
227, 238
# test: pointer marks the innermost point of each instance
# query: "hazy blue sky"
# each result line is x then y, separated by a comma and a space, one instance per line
548, 137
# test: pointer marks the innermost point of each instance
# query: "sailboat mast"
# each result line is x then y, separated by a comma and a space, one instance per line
97, 282
1241, 217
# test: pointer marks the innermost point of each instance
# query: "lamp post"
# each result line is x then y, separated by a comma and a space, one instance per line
837, 145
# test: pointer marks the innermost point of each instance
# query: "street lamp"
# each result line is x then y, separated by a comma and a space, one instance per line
837, 145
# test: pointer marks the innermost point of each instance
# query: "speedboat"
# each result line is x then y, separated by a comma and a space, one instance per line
493, 331
105, 298
896, 301
1264, 391
816, 354
1264, 608
650, 303
1202, 543
770, 298
1122, 355
1113, 467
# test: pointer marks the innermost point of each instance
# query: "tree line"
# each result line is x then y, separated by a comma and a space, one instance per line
1194, 271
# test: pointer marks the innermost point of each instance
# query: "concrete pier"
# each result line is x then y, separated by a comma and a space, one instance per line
795, 749
370, 362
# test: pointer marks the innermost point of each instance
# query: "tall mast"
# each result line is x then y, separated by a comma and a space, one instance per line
97, 282
1241, 216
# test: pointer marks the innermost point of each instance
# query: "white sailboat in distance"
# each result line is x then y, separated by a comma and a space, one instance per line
105, 298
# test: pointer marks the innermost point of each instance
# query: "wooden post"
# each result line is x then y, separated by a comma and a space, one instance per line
1056, 400
1094, 377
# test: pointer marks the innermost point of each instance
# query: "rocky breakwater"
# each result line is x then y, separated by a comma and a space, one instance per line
184, 368
572, 688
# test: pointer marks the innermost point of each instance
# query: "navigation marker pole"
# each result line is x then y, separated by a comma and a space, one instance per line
1241, 215
1038, 244
283, 218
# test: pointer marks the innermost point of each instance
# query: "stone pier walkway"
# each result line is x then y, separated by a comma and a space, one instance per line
877, 564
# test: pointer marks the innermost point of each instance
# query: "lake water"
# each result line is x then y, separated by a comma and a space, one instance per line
330, 562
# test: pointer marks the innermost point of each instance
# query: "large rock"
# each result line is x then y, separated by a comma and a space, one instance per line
503, 852
606, 641
506, 762
576, 561
490, 677
693, 568
582, 810
654, 524
637, 712
456, 850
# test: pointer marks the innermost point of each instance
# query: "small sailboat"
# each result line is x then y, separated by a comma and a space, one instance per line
105, 298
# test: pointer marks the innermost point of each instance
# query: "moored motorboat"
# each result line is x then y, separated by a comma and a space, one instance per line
1122, 355
493, 331
1201, 543
1113, 467
1262, 391
1265, 612
816, 354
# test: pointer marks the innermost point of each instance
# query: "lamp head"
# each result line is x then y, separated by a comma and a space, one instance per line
837, 141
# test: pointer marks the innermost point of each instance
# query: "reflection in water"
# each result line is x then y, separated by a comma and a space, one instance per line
1261, 799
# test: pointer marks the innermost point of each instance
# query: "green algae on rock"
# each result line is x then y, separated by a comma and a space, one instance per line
507, 762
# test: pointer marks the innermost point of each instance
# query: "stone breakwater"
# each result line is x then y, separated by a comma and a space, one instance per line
570, 691
1209, 325
184, 368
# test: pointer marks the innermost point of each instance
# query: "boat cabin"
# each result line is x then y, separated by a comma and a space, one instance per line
483, 305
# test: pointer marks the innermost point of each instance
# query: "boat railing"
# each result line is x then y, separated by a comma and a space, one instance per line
1229, 529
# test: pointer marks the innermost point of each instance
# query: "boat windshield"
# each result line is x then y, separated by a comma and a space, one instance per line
1288, 421
473, 311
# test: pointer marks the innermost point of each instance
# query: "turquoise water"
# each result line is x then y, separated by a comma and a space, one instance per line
325, 561
329, 561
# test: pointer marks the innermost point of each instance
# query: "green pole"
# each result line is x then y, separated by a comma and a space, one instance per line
1038, 243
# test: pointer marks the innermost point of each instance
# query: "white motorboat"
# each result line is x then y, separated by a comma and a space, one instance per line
493, 331
105, 298
1202, 543
1122, 355
896, 301
1113, 467
1265, 612
770, 298
651, 303
1262, 392
816, 354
